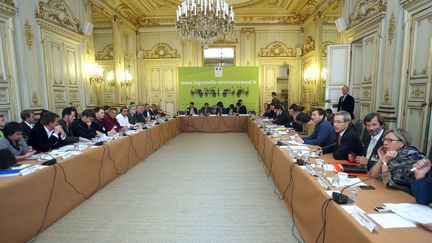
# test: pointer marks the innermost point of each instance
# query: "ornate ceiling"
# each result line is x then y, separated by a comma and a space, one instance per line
162, 12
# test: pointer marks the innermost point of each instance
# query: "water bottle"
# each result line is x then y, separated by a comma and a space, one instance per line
319, 168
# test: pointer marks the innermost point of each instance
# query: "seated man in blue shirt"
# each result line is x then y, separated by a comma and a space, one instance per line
422, 185
323, 134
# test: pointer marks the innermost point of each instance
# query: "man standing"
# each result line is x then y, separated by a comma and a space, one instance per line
28, 123
374, 124
346, 102
346, 137
323, 134
275, 101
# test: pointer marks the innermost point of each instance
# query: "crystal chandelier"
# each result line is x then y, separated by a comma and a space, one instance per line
205, 21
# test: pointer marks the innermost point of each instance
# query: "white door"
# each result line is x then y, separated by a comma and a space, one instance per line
338, 66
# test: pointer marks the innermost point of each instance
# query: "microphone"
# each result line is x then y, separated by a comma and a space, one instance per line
51, 161
328, 146
343, 199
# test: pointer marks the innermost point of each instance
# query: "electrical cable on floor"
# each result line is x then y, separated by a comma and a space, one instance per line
113, 161
324, 207
292, 208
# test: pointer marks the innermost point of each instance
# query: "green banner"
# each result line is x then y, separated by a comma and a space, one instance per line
214, 84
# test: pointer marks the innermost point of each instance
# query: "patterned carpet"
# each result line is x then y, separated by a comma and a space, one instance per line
197, 188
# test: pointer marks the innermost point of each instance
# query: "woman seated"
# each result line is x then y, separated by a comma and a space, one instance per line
13, 141
396, 159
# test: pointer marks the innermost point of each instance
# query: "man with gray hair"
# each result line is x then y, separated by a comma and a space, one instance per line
346, 102
347, 140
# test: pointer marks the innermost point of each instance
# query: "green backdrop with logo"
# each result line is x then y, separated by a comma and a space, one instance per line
206, 84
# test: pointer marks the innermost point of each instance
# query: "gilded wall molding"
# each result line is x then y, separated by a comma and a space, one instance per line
107, 53
161, 50
8, 6
365, 9
248, 32
58, 12
277, 49
309, 45
28, 34
323, 47
391, 29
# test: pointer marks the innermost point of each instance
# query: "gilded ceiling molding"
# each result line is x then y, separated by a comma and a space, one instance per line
391, 29
323, 47
58, 12
8, 6
9, 2
248, 32
28, 34
161, 50
127, 12
107, 53
277, 49
365, 9
309, 45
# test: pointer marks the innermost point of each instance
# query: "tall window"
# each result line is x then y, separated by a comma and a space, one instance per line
219, 56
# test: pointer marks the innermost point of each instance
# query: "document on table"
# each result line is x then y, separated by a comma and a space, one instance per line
416, 213
299, 148
391, 220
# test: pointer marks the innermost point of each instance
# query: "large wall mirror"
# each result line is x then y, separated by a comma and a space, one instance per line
219, 56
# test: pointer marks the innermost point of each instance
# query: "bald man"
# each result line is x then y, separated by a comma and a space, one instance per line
346, 102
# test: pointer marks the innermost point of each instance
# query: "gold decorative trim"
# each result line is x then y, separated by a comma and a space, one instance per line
309, 45
391, 29
365, 9
28, 34
107, 53
35, 98
59, 12
248, 32
277, 49
386, 96
323, 47
366, 94
161, 50
417, 93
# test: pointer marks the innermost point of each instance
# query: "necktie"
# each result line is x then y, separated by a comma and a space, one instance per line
339, 139
371, 147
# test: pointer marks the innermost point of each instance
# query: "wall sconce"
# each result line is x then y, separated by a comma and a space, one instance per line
310, 75
110, 78
126, 78
95, 74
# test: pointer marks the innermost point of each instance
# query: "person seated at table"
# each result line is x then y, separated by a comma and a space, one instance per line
160, 112
3, 121
148, 113
132, 115
111, 122
323, 134
347, 140
14, 142
329, 116
269, 112
205, 110
308, 125
28, 122
139, 115
47, 134
68, 117
421, 185
282, 117
396, 158
155, 111
242, 108
372, 140
83, 126
191, 110
220, 110
122, 117
231, 110
98, 123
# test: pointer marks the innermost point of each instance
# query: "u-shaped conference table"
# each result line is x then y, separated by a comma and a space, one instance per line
24, 199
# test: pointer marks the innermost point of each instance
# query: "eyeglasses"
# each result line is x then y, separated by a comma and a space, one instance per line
389, 140
339, 122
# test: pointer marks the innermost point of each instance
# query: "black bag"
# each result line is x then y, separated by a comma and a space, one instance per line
7, 159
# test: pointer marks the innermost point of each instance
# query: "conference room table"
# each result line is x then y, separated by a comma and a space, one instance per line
24, 200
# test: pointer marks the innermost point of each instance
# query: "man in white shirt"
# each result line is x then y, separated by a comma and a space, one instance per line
122, 117
372, 141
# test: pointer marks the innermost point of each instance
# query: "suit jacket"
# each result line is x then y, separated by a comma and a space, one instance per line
243, 110
366, 143
350, 143
40, 141
283, 119
422, 189
149, 112
132, 118
98, 125
26, 131
139, 117
347, 104
188, 111
220, 111
80, 129
204, 111
70, 138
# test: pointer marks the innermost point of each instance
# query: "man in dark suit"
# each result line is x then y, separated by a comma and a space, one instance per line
242, 109
68, 116
282, 117
191, 110
83, 126
346, 102
139, 116
28, 123
346, 137
372, 141
205, 110
219, 110
148, 113
47, 134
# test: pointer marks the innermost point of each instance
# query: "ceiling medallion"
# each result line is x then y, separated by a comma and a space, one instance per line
205, 21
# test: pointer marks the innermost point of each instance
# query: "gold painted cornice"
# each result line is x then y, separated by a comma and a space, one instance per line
58, 12
277, 49
161, 50
365, 9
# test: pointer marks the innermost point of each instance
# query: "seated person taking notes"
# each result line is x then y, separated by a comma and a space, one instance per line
13, 141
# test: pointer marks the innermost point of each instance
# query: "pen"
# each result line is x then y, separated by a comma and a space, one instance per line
413, 169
